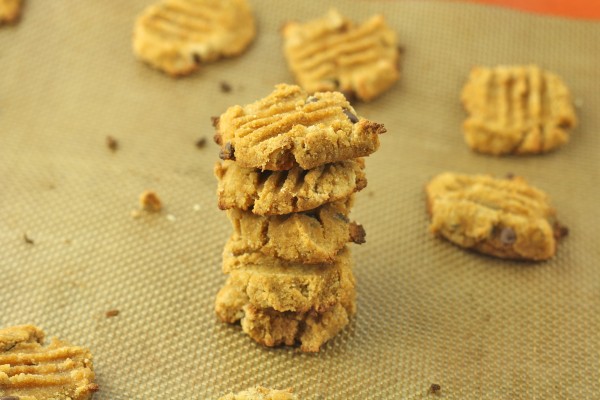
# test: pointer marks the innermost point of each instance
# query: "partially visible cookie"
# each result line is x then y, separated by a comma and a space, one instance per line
310, 237
332, 53
10, 10
30, 371
288, 128
506, 218
270, 282
261, 393
516, 110
284, 192
177, 36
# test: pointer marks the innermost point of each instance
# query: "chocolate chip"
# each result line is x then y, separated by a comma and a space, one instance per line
197, 58
215, 121
112, 143
311, 99
27, 239
112, 313
508, 235
342, 217
228, 152
201, 143
357, 233
435, 388
353, 118
225, 87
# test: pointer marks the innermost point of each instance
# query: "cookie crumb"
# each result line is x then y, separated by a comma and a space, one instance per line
560, 231
112, 313
197, 207
201, 143
112, 143
435, 388
150, 202
27, 239
225, 87
510, 175
171, 218
357, 233
92, 387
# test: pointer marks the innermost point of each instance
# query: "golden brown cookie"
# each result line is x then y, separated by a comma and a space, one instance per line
505, 218
288, 128
30, 371
261, 393
310, 237
176, 36
516, 110
10, 10
284, 192
273, 328
333, 53
270, 282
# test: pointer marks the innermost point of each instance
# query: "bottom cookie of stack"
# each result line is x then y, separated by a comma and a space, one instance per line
318, 300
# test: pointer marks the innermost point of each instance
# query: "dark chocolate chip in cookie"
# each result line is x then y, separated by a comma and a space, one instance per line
508, 235
353, 118
228, 152
357, 233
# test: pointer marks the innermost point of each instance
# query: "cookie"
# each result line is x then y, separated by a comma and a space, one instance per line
261, 393
10, 10
506, 218
284, 192
176, 36
288, 128
516, 110
270, 282
30, 371
333, 53
310, 237
273, 328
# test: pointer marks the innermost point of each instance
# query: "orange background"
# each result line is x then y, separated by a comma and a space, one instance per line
586, 9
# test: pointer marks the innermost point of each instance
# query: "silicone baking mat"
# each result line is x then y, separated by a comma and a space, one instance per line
428, 312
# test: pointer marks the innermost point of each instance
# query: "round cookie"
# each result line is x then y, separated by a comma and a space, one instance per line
284, 192
505, 218
176, 36
288, 128
309, 238
333, 53
516, 110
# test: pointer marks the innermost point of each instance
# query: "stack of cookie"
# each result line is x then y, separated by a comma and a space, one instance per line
291, 165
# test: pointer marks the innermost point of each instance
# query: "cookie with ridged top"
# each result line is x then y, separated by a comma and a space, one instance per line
10, 11
310, 237
288, 128
516, 110
261, 393
273, 328
506, 218
31, 371
271, 282
284, 192
333, 53
177, 36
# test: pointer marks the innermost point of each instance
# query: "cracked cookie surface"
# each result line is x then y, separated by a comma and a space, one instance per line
506, 218
310, 237
288, 128
284, 192
10, 11
516, 110
270, 282
31, 371
332, 53
261, 393
177, 36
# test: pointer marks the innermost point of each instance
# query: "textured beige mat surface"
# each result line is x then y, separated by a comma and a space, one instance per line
428, 311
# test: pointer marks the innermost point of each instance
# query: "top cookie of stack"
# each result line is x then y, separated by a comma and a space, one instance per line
288, 128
